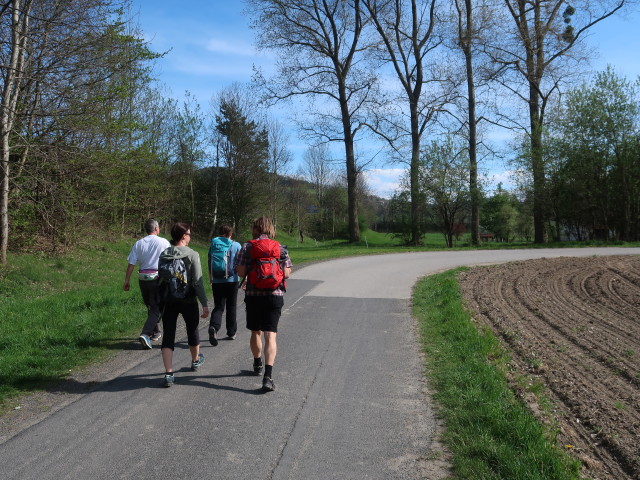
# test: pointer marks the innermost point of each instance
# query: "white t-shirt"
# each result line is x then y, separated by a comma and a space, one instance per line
146, 252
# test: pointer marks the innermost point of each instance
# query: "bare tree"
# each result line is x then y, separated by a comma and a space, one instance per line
319, 42
279, 160
545, 32
408, 31
317, 171
469, 35
17, 15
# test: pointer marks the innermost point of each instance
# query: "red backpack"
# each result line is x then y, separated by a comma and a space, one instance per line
267, 272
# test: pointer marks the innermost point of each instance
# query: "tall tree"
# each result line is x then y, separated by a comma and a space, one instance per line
320, 47
473, 26
244, 154
16, 28
279, 160
190, 145
407, 29
545, 32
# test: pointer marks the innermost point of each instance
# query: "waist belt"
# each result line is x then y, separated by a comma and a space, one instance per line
145, 277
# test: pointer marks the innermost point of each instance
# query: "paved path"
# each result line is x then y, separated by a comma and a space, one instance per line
350, 400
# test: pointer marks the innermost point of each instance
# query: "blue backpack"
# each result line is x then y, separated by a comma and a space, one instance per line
220, 258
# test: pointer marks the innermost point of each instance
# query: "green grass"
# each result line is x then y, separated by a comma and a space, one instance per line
62, 313
489, 432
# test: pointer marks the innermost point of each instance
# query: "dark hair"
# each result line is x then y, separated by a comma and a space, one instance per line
226, 230
150, 226
177, 232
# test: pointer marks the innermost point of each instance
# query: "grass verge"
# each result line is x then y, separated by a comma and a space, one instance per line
61, 313
489, 432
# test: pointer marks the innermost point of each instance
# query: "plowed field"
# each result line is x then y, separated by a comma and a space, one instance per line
574, 325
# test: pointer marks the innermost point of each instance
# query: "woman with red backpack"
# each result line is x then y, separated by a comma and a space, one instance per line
266, 265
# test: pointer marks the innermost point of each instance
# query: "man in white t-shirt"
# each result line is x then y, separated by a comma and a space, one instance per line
145, 253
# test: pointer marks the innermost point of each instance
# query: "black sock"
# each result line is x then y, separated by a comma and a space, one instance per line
268, 370
257, 361
168, 373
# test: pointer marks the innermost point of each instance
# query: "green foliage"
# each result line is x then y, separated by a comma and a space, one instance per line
595, 177
243, 151
490, 433
500, 215
444, 179
77, 166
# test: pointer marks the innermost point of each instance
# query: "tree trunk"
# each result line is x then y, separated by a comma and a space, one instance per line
537, 167
414, 178
473, 142
212, 230
19, 27
352, 194
352, 171
4, 196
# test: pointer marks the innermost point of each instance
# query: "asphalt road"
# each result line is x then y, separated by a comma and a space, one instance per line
350, 403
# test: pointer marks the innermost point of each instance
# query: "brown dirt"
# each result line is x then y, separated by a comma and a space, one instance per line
574, 325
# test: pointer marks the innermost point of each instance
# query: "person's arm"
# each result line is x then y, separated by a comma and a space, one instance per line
287, 266
198, 279
127, 277
241, 262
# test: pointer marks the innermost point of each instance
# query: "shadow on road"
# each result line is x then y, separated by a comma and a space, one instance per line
184, 377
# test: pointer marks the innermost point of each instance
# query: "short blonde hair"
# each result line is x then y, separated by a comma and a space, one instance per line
264, 226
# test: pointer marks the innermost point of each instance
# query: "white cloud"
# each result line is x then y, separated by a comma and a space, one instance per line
225, 47
504, 177
383, 182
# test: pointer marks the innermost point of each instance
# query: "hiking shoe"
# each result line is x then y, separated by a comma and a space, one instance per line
156, 336
198, 362
213, 338
168, 380
257, 367
145, 341
268, 385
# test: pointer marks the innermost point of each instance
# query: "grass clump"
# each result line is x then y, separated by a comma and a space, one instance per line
490, 433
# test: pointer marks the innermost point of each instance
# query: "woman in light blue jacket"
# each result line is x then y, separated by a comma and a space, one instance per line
224, 283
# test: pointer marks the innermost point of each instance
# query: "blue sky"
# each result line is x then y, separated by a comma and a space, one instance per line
210, 46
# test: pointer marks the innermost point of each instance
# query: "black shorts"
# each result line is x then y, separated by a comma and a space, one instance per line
263, 312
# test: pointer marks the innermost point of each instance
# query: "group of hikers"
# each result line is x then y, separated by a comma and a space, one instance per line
172, 284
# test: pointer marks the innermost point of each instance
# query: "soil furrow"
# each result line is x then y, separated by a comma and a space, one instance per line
573, 324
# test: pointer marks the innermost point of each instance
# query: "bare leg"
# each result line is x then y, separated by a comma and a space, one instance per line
255, 343
270, 348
